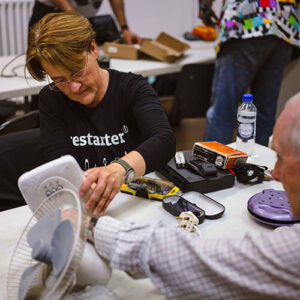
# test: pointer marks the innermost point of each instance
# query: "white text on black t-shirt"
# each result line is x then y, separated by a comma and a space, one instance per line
94, 140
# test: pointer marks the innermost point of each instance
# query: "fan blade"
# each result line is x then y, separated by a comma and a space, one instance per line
42, 252
62, 244
57, 253
28, 280
44, 228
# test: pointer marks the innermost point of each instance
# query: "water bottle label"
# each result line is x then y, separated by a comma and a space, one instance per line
246, 130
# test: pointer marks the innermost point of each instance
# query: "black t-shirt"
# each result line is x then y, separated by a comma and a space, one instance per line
129, 117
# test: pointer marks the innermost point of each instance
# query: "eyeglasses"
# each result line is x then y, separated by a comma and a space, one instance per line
58, 84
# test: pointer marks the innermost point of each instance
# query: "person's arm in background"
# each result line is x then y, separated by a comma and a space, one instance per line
64, 5
119, 11
206, 13
183, 266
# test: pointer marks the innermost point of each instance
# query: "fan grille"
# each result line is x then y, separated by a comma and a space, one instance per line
64, 199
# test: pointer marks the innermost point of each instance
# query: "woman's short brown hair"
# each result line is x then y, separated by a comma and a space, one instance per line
59, 39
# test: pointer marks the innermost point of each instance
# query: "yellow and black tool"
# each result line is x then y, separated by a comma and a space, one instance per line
150, 188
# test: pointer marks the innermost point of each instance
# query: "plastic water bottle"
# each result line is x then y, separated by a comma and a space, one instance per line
246, 125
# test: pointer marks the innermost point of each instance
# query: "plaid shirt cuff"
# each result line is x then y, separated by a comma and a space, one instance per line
105, 232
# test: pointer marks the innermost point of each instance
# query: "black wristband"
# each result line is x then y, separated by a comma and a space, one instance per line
124, 27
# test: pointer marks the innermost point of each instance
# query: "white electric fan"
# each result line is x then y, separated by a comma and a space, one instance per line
52, 256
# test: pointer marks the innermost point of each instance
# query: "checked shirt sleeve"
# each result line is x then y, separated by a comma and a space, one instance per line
183, 266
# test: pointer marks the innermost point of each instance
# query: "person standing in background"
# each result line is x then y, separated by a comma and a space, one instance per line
255, 45
87, 8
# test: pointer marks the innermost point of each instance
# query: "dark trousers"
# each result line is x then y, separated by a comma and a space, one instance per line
257, 63
39, 11
104, 25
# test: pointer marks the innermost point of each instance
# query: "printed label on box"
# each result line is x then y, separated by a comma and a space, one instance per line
221, 155
112, 49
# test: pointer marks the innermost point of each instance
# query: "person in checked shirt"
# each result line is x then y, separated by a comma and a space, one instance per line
184, 267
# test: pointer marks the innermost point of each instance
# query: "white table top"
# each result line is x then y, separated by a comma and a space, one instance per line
235, 223
152, 67
18, 86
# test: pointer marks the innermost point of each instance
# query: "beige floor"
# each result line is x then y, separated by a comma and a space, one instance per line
189, 131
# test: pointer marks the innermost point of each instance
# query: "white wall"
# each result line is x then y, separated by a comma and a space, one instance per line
148, 18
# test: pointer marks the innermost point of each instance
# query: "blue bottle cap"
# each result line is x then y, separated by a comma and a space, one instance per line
247, 97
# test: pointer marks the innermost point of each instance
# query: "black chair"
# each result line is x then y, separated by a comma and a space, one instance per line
28, 121
7, 109
193, 92
20, 151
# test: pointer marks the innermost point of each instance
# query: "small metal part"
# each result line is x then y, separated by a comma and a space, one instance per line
179, 159
267, 175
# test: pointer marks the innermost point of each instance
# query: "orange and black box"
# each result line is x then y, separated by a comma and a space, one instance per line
222, 156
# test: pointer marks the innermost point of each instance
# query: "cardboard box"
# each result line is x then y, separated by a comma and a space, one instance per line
219, 154
165, 48
118, 49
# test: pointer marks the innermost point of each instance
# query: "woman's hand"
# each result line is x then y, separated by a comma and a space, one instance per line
105, 183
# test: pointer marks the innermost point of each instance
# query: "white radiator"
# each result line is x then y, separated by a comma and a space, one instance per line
14, 18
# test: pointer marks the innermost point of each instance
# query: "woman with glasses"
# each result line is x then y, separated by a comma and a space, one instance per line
111, 122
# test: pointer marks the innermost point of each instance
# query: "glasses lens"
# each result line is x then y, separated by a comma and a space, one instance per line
79, 75
64, 84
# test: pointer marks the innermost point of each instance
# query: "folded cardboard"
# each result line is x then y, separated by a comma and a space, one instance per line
119, 49
222, 156
165, 48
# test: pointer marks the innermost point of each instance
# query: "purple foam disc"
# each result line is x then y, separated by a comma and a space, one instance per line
271, 207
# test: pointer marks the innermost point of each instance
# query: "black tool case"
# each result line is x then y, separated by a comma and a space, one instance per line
188, 180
